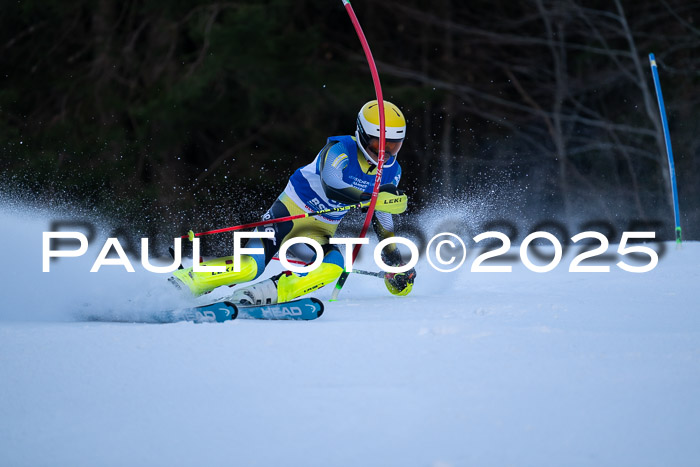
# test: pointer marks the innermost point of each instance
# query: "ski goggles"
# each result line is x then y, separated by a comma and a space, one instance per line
391, 147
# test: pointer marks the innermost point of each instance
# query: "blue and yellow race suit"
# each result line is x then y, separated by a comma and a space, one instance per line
338, 176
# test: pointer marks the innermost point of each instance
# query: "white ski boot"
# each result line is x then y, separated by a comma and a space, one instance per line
262, 293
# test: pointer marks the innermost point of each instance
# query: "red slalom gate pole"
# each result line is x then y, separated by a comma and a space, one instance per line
382, 142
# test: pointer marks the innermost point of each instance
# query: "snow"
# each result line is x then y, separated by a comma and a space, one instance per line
481, 369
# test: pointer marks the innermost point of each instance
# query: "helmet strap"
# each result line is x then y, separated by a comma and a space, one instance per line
391, 163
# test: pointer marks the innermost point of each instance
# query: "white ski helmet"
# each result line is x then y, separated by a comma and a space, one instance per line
367, 133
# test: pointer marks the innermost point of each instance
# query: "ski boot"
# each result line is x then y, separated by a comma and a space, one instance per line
262, 293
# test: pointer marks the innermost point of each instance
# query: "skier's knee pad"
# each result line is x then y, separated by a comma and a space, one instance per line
259, 264
334, 257
291, 286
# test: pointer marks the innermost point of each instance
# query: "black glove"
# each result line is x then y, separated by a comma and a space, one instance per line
390, 188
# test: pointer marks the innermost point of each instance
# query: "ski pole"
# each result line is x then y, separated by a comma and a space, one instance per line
191, 235
379, 274
669, 150
382, 140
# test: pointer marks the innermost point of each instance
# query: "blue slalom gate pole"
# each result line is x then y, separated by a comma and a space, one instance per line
669, 150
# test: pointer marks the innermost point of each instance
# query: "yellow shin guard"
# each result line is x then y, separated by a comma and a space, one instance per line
293, 286
202, 282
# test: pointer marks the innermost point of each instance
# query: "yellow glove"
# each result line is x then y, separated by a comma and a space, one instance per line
391, 203
400, 283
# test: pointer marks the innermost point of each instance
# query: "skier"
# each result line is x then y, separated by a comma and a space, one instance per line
343, 173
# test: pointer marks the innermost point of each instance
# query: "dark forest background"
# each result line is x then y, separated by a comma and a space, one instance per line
196, 113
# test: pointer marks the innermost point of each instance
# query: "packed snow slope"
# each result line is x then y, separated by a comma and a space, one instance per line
516, 368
